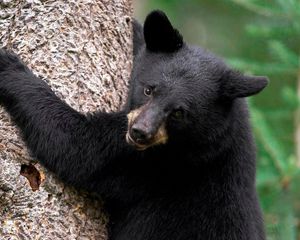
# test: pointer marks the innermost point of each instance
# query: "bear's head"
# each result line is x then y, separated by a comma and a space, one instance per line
179, 91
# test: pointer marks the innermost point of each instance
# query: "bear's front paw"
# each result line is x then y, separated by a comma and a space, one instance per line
9, 61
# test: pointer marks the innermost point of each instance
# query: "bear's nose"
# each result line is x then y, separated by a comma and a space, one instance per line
139, 135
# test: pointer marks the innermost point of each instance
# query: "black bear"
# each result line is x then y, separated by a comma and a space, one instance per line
178, 163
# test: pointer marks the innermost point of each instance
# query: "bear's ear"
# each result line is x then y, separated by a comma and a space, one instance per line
159, 34
237, 85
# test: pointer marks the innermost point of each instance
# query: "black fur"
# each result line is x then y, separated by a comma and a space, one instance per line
199, 185
138, 36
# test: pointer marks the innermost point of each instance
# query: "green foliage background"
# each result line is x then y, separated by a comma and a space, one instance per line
259, 37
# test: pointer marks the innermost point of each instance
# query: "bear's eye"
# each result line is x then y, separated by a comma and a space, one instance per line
177, 114
148, 91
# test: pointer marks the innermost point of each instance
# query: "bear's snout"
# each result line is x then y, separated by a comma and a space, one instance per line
145, 128
140, 134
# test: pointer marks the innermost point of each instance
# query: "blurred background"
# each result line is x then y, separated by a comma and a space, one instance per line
259, 37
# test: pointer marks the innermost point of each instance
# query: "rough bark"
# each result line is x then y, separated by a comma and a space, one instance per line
83, 50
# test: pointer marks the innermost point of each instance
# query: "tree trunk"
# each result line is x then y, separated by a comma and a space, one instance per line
82, 48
